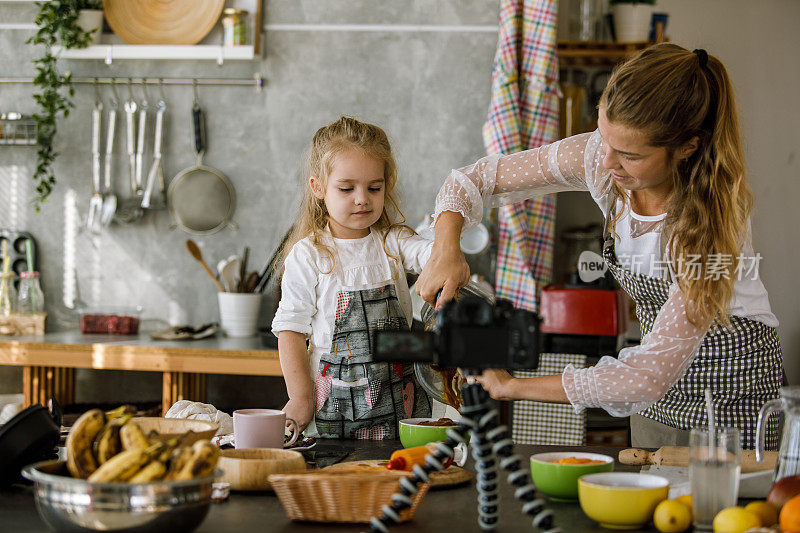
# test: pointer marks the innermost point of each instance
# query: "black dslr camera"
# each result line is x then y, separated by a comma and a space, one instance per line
470, 333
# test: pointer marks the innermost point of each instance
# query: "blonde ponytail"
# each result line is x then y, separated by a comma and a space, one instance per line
673, 95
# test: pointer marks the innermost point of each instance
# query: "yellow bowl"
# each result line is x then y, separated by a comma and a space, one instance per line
621, 500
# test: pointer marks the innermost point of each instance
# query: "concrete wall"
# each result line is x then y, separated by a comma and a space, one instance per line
758, 42
429, 90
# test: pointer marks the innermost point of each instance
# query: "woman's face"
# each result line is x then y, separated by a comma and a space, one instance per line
634, 164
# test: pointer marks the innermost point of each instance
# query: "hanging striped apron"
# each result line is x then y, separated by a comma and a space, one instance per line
743, 364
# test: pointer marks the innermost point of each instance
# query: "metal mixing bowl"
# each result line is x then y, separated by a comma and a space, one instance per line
472, 288
76, 505
430, 380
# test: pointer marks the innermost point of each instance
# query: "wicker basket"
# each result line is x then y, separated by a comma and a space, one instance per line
338, 496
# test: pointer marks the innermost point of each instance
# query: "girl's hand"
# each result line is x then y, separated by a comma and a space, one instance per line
301, 411
495, 382
447, 269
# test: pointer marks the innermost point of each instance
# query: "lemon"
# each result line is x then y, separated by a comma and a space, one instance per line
686, 499
735, 520
672, 516
766, 512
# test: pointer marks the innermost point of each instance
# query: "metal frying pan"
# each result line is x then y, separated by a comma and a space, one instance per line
201, 199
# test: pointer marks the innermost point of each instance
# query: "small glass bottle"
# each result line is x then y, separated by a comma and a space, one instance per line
30, 298
8, 294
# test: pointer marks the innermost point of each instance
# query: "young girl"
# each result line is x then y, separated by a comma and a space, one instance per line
344, 278
666, 168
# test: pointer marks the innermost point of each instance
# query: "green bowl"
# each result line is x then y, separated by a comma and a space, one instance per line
560, 481
412, 434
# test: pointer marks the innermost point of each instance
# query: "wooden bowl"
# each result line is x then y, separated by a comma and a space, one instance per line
168, 428
250, 468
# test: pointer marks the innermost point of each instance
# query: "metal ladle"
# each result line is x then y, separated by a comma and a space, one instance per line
156, 172
96, 203
109, 198
130, 209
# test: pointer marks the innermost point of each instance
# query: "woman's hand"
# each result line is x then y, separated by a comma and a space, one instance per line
496, 383
447, 269
301, 411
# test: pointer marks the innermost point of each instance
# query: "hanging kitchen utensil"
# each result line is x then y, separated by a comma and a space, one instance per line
93, 222
130, 209
156, 172
141, 137
160, 22
109, 198
201, 199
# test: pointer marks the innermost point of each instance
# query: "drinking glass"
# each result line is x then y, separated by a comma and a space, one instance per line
714, 467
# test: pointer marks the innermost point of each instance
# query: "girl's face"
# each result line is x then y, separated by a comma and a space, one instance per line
353, 194
634, 164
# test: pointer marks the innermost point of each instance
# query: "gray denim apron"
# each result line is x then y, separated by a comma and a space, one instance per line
358, 398
742, 365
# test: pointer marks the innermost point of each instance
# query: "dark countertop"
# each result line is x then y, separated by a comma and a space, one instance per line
441, 510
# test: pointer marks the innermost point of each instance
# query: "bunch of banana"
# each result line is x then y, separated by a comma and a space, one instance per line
110, 447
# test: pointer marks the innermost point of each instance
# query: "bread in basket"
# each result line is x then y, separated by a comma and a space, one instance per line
347, 495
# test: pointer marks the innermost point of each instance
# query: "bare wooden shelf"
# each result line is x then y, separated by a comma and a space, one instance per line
596, 53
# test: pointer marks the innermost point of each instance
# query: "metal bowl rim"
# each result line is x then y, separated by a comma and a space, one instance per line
33, 473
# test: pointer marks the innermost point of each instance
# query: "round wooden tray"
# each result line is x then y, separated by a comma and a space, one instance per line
162, 21
451, 476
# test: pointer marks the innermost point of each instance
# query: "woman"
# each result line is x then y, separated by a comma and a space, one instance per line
666, 167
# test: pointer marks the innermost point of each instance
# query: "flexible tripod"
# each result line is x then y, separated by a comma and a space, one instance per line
489, 443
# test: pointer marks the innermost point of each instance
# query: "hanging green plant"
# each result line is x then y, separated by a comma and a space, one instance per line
58, 25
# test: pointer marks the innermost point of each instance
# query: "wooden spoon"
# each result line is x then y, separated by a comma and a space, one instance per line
198, 255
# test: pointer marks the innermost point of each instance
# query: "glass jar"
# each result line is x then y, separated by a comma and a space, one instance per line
234, 27
8, 294
30, 298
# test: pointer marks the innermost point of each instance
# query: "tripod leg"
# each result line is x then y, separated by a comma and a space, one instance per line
489, 441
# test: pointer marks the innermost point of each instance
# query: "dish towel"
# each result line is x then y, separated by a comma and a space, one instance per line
523, 114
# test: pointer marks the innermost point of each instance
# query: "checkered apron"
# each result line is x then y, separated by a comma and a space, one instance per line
742, 365
357, 398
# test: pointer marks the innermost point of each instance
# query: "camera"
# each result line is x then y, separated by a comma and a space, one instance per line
469, 333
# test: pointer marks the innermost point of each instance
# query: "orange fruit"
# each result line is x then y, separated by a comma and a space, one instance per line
790, 516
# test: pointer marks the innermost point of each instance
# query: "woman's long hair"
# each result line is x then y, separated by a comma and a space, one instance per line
328, 143
669, 94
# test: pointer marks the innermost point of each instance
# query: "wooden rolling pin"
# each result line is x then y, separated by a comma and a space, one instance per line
679, 456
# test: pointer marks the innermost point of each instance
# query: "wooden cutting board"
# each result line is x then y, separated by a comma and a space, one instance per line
451, 476
160, 22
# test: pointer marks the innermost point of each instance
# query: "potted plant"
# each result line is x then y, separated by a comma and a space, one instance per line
58, 25
632, 19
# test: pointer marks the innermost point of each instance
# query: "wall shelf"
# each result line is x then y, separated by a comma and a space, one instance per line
596, 53
111, 52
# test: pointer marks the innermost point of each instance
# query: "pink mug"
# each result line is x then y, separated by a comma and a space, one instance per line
262, 428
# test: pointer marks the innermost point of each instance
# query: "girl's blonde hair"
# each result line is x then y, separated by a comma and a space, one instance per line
330, 142
673, 95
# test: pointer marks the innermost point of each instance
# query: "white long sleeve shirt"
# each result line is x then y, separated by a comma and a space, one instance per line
309, 287
640, 375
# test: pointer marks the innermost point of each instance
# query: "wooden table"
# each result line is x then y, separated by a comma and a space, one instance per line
49, 362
